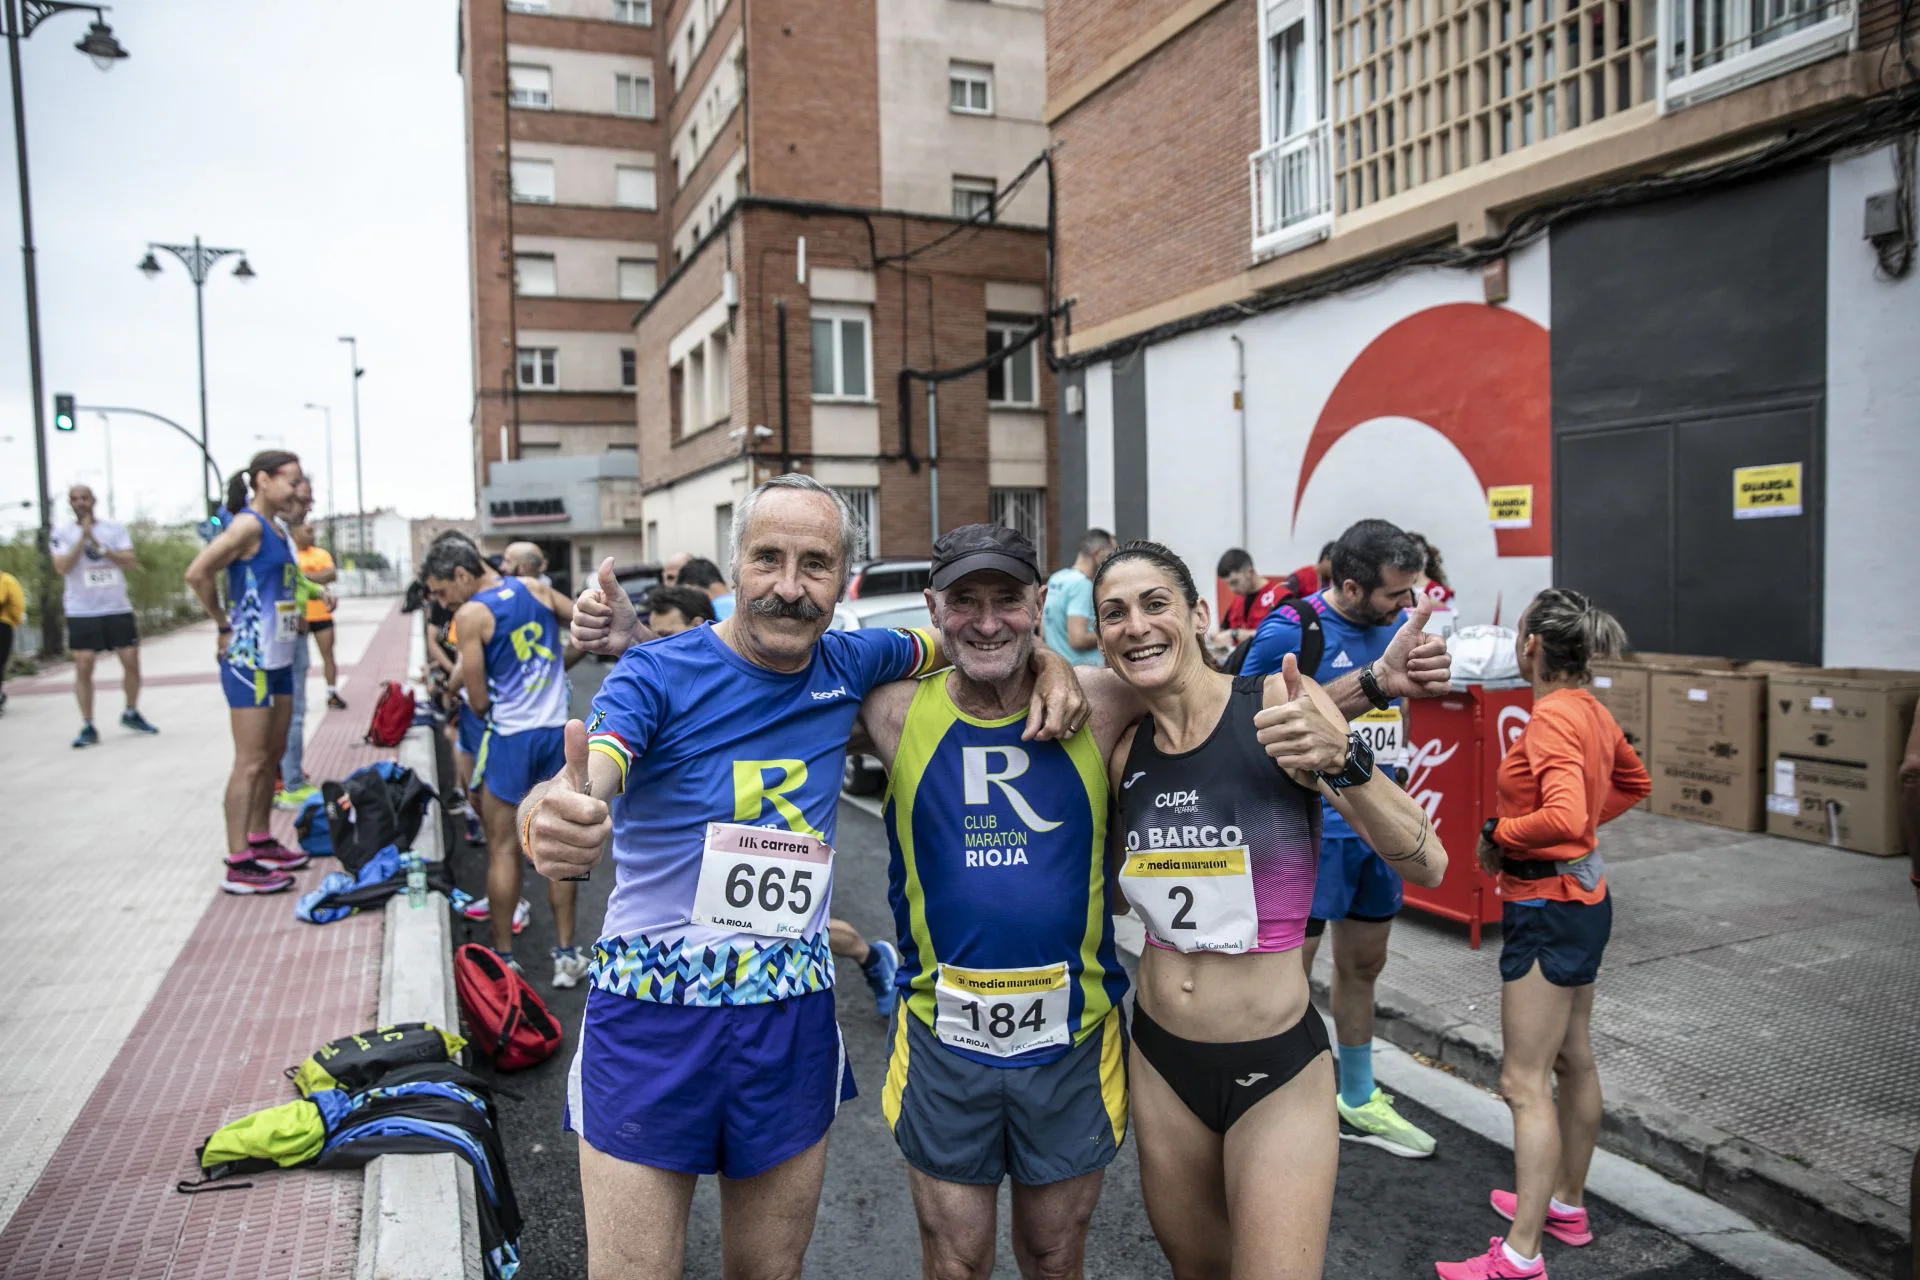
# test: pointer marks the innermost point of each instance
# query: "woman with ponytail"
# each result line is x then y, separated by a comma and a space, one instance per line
258, 629
1570, 771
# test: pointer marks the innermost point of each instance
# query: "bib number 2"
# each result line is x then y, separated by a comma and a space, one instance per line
766, 881
1194, 899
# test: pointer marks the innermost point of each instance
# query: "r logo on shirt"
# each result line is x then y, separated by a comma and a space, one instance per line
750, 790
979, 780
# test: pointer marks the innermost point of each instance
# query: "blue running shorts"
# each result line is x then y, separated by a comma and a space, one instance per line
250, 687
1354, 883
733, 1089
1567, 938
510, 764
470, 729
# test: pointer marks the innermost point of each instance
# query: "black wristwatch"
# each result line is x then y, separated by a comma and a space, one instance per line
1359, 766
1370, 685
1486, 831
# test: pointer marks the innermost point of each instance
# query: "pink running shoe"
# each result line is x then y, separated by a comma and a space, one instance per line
244, 875
1568, 1228
1491, 1265
277, 856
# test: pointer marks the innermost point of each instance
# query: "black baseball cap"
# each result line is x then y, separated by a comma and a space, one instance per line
975, 547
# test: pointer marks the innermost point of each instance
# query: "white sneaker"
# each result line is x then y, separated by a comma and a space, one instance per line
478, 910
569, 967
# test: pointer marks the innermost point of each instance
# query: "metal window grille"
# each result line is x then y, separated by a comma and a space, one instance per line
865, 504
1022, 509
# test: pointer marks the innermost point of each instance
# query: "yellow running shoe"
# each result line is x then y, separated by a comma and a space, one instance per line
1381, 1126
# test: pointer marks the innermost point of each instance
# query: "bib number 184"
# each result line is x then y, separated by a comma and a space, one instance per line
1002, 1012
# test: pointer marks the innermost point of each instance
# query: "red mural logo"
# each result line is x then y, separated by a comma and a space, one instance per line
1479, 376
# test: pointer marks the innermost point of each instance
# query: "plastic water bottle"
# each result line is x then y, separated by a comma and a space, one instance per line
416, 881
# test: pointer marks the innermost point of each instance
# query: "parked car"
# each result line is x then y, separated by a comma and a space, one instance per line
888, 577
864, 775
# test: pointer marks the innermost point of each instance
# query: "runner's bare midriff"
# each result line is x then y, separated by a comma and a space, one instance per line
1222, 999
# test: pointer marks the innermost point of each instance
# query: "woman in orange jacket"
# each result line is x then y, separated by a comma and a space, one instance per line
1570, 771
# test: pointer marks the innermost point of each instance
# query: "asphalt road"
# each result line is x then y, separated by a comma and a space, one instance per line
1392, 1217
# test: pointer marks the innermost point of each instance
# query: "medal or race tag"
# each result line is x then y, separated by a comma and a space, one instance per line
1195, 899
102, 577
767, 881
1003, 1012
1385, 732
286, 622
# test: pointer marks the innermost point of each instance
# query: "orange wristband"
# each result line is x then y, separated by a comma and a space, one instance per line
526, 828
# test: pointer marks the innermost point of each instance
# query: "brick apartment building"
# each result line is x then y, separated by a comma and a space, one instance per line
1329, 259
567, 226
843, 207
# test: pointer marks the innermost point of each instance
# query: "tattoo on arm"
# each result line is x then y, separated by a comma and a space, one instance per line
1417, 855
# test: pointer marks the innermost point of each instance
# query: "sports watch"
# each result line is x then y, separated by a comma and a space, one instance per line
1359, 765
1370, 685
1486, 830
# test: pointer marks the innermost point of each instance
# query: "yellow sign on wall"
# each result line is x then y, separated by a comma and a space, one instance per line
1510, 506
1763, 492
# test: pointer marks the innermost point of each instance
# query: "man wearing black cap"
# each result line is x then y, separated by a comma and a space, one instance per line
1008, 1045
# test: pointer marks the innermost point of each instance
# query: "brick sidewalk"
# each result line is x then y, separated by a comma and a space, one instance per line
1760, 996
252, 992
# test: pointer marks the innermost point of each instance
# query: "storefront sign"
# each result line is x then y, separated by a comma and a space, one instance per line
1510, 506
1760, 493
528, 511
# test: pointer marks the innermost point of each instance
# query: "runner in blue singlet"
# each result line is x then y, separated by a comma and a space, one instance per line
709, 1043
257, 630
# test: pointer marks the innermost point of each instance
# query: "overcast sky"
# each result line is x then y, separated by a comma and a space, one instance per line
326, 141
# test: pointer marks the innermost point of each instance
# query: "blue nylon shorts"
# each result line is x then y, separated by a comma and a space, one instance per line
470, 728
510, 764
250, 687
734, 1089
1567, 938
1354, 882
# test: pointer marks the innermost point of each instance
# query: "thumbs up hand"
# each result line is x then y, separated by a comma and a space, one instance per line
564, 827
604, 620
1415, 665
1296, 733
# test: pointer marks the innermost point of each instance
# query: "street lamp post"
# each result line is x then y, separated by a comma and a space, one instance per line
359, 491
199, 260
332, 509
18, 18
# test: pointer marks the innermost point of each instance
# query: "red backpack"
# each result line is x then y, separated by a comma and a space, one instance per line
392, 715
508, 1020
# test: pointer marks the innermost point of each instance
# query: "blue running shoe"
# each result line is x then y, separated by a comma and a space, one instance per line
89, 737
131, 719
881, 964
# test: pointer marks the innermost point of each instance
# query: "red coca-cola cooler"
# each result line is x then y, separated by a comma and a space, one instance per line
1454, 747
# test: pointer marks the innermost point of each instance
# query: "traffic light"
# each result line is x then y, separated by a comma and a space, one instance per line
63, 412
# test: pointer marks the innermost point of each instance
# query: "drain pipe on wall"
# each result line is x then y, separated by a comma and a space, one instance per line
1240, 407
933, 458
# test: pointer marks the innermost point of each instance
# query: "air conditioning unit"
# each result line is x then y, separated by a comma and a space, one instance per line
730, 290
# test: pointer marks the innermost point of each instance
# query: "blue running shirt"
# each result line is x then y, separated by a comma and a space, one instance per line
524, 669
261, 607
1349, 647
702, 735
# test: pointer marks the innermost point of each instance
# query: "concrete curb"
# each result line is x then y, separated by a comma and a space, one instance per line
419, 1216
1853, 1228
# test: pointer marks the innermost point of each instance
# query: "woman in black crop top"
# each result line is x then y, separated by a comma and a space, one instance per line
1231, 1079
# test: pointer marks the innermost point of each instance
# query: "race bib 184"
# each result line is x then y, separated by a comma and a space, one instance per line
1195, 899
767, 881
1003, 1012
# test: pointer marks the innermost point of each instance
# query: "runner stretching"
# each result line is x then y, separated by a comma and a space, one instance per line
1230, 1071
709, 1043
257, 632
1570, 771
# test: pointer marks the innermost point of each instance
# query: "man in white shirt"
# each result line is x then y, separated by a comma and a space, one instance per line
94, 556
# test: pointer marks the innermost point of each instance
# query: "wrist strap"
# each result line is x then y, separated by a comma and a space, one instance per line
526, 827
1370, 685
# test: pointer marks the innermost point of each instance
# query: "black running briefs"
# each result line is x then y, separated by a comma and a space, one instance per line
1220, 1082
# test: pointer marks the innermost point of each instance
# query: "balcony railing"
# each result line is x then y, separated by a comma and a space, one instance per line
1292, 192
1713, 47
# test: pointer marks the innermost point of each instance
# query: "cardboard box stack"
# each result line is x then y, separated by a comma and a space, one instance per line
1836, 737
1708, 725
1622, 688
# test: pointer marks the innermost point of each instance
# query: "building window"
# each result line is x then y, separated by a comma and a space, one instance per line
633, 188
1015, 380
696, 386
970, 88
539, 367
636, 279
720, 402
973, 198
842, 353
1024, 510
532, 181
864, 503
633, 96
635, 13
526, 6
652, 549
534, 275
723, 533
629, 371
529, 86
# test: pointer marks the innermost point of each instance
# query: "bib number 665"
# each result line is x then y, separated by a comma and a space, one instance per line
773, 888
